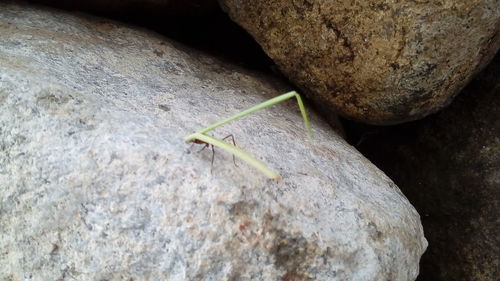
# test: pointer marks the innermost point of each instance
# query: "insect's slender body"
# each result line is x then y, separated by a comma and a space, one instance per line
206, 144
201, 137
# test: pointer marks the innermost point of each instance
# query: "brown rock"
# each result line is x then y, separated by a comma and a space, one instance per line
381, 63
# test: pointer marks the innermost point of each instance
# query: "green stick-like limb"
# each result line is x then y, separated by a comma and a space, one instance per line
238, 152
258, 107
201, 136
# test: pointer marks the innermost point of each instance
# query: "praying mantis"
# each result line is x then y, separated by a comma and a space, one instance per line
201, 136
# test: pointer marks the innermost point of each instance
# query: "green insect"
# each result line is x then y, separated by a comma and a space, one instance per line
201, 137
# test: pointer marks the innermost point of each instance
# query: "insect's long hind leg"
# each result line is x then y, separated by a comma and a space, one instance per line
213, 156
205, 146
234, 143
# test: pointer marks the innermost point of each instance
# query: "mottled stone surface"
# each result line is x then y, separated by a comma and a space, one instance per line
450, 171
96, 182
380, 62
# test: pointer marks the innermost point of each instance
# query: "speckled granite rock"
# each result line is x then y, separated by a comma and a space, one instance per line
380, 62
96, 182
450, 171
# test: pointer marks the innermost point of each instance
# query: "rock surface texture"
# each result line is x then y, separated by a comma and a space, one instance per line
451, 172
380, 62
96, 182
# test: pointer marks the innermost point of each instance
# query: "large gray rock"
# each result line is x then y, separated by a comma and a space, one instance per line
96, 182
380, 62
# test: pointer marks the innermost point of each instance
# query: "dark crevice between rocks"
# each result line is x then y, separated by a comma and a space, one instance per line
199, 24
447, 166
